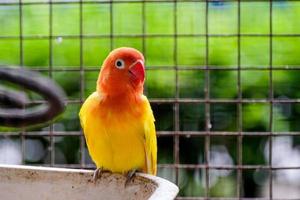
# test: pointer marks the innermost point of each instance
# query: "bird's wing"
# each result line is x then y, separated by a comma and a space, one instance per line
150, 140
88, 106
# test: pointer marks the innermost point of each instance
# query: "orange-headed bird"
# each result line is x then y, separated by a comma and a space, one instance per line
117, 119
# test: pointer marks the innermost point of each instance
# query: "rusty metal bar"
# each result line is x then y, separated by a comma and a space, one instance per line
164, 133
196, 101
144, 40
52, 145
207, 104
20, 3
82, 85
192, 166
147, 35
111, 18
271, 96
171, 68
124, 2
176, 105
239, 107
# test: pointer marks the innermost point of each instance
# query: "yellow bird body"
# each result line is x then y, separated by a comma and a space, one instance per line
117, 119
120, 138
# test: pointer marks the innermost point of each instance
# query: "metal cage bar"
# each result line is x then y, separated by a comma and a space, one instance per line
82, 94
207, 105
239, 109
125, 1
176, 102
271, 96
21, 58
52, 139
176, 105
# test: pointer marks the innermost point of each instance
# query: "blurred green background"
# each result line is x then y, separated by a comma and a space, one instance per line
152, 32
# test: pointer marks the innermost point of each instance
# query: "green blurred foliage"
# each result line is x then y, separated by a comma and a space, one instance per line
167, 51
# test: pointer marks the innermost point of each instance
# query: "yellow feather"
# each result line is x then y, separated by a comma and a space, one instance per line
117, 140
150, 141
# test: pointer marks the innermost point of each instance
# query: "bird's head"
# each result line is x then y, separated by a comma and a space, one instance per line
122, 71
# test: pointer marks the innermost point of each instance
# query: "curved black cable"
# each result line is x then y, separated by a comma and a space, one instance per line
18, 117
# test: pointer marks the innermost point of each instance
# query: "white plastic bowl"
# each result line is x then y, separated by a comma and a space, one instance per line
38, 183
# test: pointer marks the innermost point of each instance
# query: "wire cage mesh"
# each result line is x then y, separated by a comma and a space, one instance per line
221, 78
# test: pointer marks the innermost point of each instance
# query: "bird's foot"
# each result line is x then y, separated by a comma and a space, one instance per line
129, 176
98, 173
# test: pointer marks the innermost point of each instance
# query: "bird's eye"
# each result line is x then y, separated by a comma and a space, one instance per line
120, 64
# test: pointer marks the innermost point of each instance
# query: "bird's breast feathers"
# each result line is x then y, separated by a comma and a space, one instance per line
115, 131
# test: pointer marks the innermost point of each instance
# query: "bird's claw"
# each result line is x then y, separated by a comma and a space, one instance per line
98, 173
130, 175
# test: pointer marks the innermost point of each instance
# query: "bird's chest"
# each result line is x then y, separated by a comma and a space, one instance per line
119, 140
122, 129
119, 116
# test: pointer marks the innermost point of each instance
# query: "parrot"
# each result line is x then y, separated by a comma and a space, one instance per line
117, 119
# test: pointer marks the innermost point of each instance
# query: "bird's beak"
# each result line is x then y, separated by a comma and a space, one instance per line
137, 70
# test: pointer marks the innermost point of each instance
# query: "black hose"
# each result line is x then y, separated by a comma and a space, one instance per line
18, 117
12, 98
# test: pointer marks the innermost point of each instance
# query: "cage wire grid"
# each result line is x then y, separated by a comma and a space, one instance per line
177, 101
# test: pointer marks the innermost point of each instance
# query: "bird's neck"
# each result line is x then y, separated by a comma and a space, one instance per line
113, 89
121, 102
